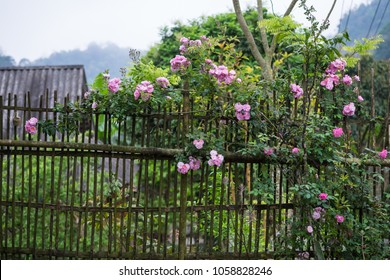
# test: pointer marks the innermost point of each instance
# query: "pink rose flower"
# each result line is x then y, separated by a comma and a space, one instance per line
183, 168
339, 64
383, 154
198, 143
339, 218
268, 151
94, 105
113, 85
222, 74
215, 159
317, 212
337, 132
336, 65
31, 125
347, 80
330, 81
143, 89
295, 150
297, 90
33, 121
356, 78
327, 83
316, 215
30, 129
309, 229
184, 41
162, 82
349, 110
195, 43
194, 163
360, 98
179, 63
137, 94
183, 49
323, 196
242, 111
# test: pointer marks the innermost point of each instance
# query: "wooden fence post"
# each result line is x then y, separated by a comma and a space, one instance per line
183, 183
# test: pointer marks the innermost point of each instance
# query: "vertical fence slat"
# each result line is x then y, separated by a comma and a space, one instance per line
14, 175
73, 207
2, 245
184, 177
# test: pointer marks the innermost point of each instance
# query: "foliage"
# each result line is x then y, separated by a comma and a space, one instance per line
363, 48
62, 181
358, 237
374, 88
304, 119
282, 27
222, 26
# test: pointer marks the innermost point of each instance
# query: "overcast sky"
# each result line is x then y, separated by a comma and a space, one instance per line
36, 28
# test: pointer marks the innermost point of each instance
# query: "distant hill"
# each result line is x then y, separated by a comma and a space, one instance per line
96, 58
358, 22
383, 52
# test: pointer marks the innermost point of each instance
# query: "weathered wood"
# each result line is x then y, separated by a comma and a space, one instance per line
184, 178
74, 197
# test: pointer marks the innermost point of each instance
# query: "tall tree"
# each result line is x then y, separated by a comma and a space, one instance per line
265, 59
224, 25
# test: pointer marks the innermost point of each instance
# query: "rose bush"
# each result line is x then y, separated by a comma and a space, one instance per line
302, 118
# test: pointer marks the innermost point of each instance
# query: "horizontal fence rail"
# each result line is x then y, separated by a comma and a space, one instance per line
111, 191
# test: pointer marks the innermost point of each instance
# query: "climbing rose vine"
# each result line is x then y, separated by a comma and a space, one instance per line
300, 122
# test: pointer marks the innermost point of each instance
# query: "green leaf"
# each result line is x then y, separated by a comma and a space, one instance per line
100, 84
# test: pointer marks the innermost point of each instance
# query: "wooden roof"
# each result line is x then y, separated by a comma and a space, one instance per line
65, 79
41, 83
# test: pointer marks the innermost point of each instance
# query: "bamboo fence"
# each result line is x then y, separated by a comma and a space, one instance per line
111, 190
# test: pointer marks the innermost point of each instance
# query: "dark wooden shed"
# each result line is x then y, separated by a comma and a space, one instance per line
64, 80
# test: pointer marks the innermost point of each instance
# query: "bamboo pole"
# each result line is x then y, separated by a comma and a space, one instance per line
150, 151
183, 183
372, 108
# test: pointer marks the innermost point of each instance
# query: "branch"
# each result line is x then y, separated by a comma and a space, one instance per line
263, 33
326, 19
330, 12
290, 8
251, 41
